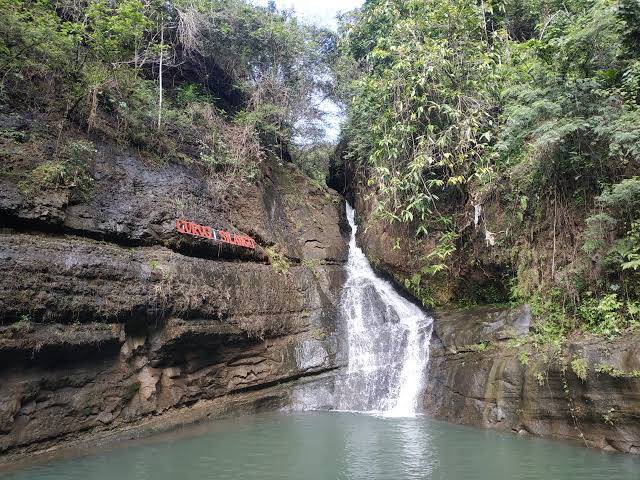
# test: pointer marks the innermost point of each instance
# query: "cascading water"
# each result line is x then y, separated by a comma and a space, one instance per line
388, 339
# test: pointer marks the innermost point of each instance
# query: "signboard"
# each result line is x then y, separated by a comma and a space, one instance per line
191, 228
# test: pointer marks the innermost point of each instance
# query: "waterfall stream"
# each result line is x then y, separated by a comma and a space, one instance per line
388, 339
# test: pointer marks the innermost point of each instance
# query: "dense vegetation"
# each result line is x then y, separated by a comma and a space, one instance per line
219, 82
514, 123
503, 134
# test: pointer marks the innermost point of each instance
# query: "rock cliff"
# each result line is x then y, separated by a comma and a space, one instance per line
111, 318
588, 390
484, 369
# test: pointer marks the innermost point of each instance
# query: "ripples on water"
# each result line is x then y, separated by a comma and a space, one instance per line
323, 446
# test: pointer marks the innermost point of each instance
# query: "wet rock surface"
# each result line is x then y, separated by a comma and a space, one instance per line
588, 391
110, 318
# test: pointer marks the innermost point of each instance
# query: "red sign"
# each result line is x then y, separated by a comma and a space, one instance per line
196, 230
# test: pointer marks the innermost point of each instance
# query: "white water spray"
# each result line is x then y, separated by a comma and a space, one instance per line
388, 342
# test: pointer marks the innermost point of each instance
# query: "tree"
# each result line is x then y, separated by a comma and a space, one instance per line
423, 101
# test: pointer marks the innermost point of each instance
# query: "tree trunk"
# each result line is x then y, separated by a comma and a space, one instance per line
160, 74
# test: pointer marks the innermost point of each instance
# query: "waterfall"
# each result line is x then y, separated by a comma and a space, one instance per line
388, 339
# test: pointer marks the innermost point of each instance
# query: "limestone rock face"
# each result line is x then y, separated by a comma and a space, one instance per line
589, 391
110, 316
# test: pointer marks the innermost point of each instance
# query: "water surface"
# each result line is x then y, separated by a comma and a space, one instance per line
324, 446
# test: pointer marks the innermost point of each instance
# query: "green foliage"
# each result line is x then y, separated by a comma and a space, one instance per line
517, 342
278, 260
45, 176
276, 63
152, 75
608, 417
478, 347
612, 241
522, 207
429, 283
606, 316
420, 113
622, 198
554, 320
69, 170
535, 103
570, 126
600, 229
557, 87
523, 358
630, 250
36, 47
430, 290
191, 93
313, 266
21, 327
114, 28
424, 293
580, 368
222, 161
444, 249
607, 369
313, 160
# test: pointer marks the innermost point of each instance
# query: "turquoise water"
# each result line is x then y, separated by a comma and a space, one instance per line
326, 446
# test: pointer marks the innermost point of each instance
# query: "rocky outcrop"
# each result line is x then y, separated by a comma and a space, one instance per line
110, 317
483, 369
588, 390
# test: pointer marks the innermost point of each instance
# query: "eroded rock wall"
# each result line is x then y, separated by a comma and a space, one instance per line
587, 391
110, 316
483, 373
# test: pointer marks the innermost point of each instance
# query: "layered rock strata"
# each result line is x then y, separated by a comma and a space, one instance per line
110, 316
482, 374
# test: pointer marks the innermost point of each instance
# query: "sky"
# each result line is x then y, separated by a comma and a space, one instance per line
322, 13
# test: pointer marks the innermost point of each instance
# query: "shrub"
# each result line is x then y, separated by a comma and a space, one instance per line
69, 170
623, 197
580, 368
278, 260
603, 316
47, 175
523, 358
